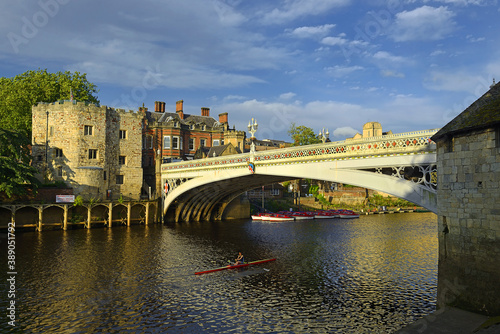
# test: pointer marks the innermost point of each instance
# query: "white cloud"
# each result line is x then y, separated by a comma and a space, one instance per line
437, 53
386, 56
332, 41
457, 81
341, 71
287, 96
293, 9
391, 73
425, 23
344, 132
473, 39
311, 32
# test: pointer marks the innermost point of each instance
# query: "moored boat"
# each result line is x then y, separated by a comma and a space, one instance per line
326, 214
348, 214
281, 218
302, 215
258, 216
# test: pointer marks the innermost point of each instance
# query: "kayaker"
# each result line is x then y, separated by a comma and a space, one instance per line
240, 259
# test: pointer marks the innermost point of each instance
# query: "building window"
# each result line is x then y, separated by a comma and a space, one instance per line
191, 127
39, 158
119, 179
121, 160
123, 134
166, 142
59, 171
274, 192
92, 154
149, 142
104, 176
51, 131
175, 143
203, 127
59, 153
215, 142
203, 142
151, 161
88, 130
191, 144
450, 143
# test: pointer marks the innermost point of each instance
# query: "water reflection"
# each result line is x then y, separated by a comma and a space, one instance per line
373, 274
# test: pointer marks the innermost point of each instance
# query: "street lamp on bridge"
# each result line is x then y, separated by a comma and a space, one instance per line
252, 128
324, 136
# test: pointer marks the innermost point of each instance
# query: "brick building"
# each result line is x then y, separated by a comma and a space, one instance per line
169, 137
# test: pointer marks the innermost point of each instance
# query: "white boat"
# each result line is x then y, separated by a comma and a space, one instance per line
348, 214
326, 214
280, 218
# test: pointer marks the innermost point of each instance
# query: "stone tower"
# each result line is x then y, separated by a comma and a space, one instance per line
95, 150
236, 138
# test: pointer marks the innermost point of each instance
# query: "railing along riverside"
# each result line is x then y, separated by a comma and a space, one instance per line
401, 143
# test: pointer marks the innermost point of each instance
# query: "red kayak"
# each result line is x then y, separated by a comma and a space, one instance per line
234, 266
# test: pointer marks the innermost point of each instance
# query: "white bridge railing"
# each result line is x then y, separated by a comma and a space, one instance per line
402, 143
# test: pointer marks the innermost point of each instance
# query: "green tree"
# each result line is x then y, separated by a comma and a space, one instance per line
17, 177
20, 93
302, 135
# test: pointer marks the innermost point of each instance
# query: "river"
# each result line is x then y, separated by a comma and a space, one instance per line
373, 274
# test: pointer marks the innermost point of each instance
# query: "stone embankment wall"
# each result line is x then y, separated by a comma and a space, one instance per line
469, 222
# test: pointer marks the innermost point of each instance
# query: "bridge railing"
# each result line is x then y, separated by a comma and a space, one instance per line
401, 143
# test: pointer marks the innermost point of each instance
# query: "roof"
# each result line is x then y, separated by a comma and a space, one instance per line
483, 113
188, 119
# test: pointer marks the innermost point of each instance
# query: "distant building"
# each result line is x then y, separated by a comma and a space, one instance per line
266, 144
371, 129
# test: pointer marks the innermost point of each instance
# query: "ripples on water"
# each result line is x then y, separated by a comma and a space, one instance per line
372, 274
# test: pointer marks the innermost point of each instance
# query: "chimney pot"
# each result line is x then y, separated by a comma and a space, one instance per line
205, 112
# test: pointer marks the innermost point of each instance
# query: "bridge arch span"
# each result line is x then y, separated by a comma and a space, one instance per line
204, 195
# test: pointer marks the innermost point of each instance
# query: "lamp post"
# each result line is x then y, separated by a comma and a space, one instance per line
324, 135
252, 128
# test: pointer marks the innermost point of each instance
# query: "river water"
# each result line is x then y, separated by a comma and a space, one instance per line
374, 274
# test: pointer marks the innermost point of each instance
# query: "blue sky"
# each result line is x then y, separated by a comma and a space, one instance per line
333, 64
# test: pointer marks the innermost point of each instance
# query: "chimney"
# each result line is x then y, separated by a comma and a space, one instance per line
223, 118
157, 106
162, 106
179, 105
205, 112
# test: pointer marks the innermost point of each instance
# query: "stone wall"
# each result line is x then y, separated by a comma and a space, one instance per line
469, 222
95, 150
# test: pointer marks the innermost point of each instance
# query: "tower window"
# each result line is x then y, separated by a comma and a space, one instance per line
88, 130
92, 154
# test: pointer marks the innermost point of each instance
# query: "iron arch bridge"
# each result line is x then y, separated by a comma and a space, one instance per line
403, 165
